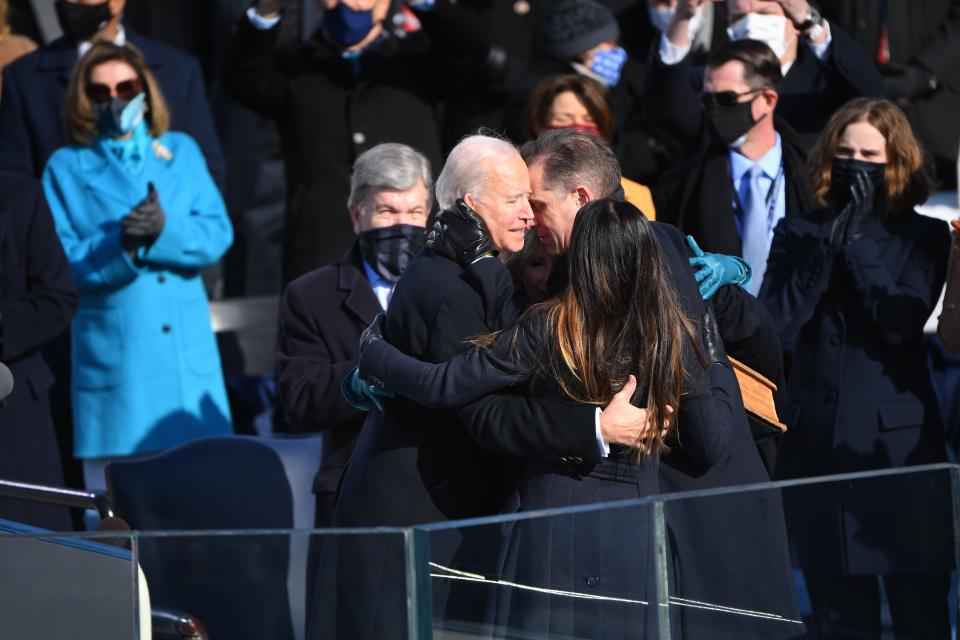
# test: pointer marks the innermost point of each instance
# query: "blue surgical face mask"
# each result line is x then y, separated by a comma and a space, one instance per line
607, 63
119, 117
345, 26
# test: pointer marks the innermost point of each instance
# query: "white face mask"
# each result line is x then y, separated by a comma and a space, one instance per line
661, 17
770, 30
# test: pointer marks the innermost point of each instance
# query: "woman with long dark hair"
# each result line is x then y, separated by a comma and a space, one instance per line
850, 287
617, 328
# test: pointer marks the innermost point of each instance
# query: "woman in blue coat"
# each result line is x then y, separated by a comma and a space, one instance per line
139, 216
850, 287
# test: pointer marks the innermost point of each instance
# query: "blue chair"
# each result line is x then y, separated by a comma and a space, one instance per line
237, 586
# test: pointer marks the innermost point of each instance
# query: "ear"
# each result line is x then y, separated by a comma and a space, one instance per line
354, 217
769, 99
470, 201
584, 195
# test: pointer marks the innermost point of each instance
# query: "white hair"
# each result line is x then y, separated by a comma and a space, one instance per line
390, 165
468, 165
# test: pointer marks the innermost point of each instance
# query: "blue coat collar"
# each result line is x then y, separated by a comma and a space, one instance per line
105, 174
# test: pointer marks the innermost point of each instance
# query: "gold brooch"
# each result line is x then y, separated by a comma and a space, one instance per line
161, 151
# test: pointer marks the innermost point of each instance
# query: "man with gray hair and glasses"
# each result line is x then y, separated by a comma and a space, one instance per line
323, 312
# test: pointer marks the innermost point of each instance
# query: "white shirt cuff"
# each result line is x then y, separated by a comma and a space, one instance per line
603, 446
670, 53
259, 22
820, 49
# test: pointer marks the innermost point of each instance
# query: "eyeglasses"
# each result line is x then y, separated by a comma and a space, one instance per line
125, 90
723, 98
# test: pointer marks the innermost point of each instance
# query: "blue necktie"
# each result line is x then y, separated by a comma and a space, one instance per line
755, 239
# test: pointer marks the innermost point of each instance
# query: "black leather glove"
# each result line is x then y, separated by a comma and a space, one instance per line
856, 216
461, 235
142, 226
863, 198
711, 338
908, 81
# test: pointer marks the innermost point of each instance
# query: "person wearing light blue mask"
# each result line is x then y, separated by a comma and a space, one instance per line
139, 217
584, 33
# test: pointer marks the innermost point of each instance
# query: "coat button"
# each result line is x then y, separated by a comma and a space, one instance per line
831, 396
564, 460
835, 341
359, 138
592, 581
161, 278
166, 328
576, 459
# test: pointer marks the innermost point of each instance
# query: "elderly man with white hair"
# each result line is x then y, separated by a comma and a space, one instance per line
414, 465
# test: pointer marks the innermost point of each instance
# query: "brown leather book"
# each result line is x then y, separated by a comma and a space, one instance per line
757, 394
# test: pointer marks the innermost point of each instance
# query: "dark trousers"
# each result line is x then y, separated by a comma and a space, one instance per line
848, 607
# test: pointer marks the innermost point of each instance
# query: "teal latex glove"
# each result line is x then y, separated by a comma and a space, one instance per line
360, 394
714, 270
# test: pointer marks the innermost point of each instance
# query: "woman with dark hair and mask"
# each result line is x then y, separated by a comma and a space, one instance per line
618, 327
139, 217
850, 287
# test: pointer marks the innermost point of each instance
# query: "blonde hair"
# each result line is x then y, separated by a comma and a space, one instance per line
79, 114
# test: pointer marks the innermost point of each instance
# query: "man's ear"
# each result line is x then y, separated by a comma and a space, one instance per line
583, 194
470, 201
354, 217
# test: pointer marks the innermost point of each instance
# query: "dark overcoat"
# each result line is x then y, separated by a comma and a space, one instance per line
34, 86
37, 301
322, 315
861, 395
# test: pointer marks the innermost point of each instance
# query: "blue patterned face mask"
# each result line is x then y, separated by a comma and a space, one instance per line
607, 63
118, 116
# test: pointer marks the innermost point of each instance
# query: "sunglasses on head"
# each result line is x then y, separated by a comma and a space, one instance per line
723, 98
125, 90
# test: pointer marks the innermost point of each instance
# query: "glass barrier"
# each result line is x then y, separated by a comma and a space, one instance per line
868, 553
852, 555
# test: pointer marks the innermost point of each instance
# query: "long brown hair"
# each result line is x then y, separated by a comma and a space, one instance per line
620, 315
907, 176
79, 114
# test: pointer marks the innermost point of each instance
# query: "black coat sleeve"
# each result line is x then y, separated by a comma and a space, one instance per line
853, 65
941, 54
43, 305
799, 269
671, 94
706, 417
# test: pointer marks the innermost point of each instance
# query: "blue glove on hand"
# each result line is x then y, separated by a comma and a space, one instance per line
360, 394
713, 270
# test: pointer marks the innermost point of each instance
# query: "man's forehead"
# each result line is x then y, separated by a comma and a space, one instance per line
727, 74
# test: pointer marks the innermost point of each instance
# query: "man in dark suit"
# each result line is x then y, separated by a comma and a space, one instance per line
823, 67
752, 174
37, 301
31, 111
323, 312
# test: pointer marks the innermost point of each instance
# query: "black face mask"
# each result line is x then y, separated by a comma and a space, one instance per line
389, 250
843, 173
730, 123
81, 21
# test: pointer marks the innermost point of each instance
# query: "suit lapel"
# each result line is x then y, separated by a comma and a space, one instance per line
715, 206
359, 301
